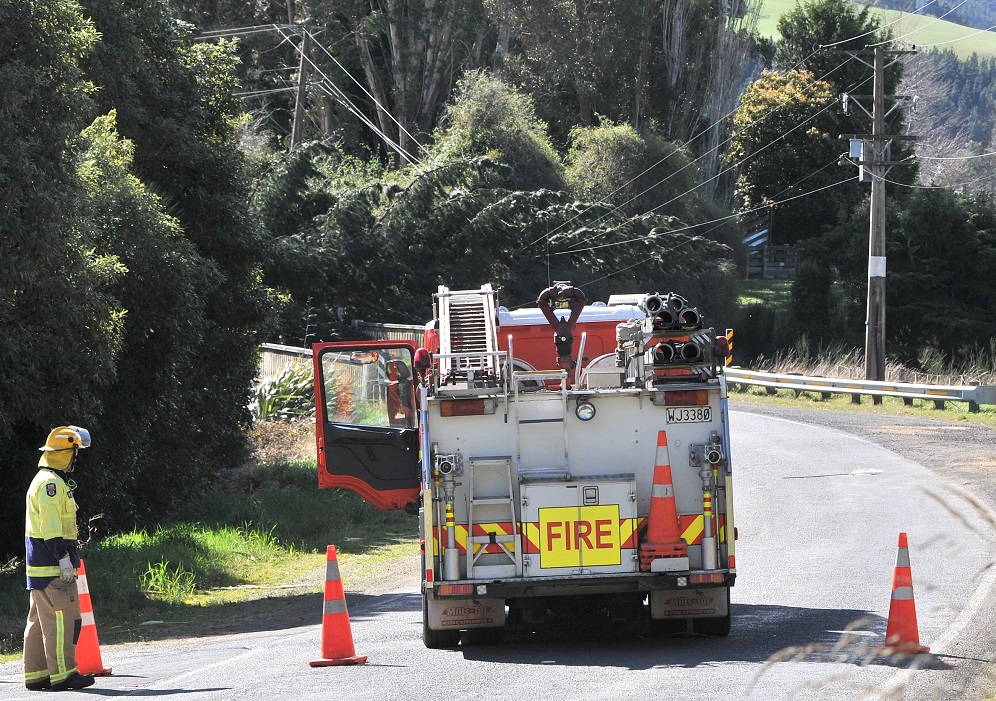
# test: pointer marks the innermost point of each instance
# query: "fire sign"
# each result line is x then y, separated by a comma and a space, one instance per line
572, 536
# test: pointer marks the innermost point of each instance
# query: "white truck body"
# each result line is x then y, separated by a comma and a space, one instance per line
536, 489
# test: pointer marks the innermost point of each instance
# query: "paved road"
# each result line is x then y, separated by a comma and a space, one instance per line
818, 513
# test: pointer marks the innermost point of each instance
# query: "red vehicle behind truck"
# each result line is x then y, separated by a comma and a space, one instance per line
569, 457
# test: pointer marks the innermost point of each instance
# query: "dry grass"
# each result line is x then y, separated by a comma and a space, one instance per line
836, 361
276, 441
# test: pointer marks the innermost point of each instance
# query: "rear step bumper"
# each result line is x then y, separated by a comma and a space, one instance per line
521, 587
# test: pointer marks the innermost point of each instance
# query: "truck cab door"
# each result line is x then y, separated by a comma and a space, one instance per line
366, 421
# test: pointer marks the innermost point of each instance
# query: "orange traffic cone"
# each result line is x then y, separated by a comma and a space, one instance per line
663, 550
88, 646
901, 634
337, 636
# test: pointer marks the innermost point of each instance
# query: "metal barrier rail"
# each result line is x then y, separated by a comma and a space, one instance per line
975, 395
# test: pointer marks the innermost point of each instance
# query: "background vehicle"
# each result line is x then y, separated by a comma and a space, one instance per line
569, 457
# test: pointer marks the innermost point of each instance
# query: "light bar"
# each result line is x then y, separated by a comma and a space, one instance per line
708, 578
455, 589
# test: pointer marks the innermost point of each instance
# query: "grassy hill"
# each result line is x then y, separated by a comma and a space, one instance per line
914, 29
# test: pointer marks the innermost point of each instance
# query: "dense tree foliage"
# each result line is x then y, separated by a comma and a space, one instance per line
489, 204
940, 245
786, 145
152, 233
128, 312
59, 326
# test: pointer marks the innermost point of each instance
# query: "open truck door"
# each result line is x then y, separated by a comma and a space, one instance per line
366, 421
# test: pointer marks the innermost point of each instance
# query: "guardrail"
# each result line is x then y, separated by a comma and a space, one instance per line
975, 395
274, 357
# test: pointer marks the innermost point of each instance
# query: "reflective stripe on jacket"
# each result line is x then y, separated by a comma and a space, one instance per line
50, 529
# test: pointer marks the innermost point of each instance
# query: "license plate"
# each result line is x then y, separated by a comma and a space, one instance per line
689, 414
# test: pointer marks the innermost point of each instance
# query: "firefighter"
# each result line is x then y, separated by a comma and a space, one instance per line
54, 619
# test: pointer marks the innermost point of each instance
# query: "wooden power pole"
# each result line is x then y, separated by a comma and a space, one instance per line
873, 152
302, 90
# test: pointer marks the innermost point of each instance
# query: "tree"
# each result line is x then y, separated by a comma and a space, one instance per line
410, 55
638, 172
585, 60
487, 116
60, 329
144, 410
786, 145
941, 258
174, 100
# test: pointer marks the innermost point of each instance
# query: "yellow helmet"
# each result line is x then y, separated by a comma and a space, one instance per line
67, 438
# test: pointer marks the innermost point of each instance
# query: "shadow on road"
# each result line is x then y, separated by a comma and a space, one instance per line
761, 633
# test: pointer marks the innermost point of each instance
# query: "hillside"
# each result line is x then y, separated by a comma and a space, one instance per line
914, 29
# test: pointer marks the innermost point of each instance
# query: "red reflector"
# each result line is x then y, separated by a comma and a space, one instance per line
707, 578
462, 407
455, 589
722, 346
690, 397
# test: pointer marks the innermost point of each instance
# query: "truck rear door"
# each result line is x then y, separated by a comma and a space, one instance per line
366, 421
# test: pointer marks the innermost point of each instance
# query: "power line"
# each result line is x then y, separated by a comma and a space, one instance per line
751, 155
713, 221
372, 98
988, 176
923, 26
956, 158
330, 88
952, 41
873, 31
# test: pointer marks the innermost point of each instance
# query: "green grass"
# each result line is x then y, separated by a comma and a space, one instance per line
774, 293
253, 548
952, 411
921, 30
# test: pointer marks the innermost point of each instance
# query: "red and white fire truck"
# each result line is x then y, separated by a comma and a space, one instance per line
570, 457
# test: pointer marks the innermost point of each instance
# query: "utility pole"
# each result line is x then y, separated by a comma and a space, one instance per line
873, 152
875, 313
302, 84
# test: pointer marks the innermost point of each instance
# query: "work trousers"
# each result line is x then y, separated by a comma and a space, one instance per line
52, 631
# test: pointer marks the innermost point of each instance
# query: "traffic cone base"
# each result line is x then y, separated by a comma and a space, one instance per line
663, 537
355, 659
901, 634
337, 636
87, 645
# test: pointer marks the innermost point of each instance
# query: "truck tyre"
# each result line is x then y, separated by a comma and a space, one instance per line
716, 627
437, 639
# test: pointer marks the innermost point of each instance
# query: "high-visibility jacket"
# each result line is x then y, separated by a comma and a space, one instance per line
50, 529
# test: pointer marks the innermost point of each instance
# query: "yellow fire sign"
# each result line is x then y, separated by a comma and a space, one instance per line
572, 536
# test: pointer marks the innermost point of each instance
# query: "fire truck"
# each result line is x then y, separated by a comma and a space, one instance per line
564, 458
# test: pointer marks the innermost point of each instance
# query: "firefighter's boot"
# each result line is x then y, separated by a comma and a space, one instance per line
74, 681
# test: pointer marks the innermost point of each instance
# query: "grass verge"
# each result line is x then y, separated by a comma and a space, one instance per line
952, 411
249, 556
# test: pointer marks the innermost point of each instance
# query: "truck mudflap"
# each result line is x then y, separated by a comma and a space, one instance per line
465, 614
689, 603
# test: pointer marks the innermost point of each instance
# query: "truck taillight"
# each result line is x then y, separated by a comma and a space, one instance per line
466, 407
455, 589
708, 578
690, 397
